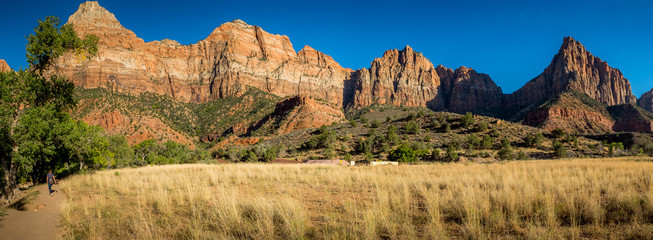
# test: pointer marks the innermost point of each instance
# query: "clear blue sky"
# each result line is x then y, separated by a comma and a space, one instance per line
512, 41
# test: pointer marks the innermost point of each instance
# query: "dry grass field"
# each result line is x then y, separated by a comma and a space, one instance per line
546, 199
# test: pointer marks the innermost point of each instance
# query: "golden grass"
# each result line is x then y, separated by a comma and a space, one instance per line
608, 198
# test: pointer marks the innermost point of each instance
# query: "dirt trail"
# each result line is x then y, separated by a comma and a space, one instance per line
36, 220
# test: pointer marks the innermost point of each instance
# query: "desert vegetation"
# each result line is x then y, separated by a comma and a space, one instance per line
554, 199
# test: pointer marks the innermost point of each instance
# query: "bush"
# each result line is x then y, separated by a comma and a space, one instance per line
391, 136
427, 138
529, 140
324, 139
467, 120
473, 142
487, 142
539, 137
482, 127
559, 149
375, 124
451, 154
363, 120
522, 155
558, 133
412, 127
447, 127
614, 146
506, 152
363, 145
271, 153
353, 123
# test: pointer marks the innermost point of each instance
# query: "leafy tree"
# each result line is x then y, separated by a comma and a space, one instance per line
33, 121
391, 136
451, 154
487, 142
538, 140
467, 120
482, 127
559, 149
123, 153
506, 152
403, 153
412, 127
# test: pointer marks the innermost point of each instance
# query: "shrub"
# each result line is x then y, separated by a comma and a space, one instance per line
363, 145
412, 127
324, 139
353, 123
482, 127
473, 142
375, 124
249, 156
506, 152
272, 153
421, 113
427, 138
412, 116
558, 133
363, 120
467, 120
487, 142
391, 136
522, 155
529, 140
614, 146
538, 140
447, 127
451, 154
388, 119
559, 149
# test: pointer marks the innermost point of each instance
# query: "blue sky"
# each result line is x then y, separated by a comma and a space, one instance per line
512, 41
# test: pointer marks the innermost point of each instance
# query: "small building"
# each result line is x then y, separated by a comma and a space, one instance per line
329, 162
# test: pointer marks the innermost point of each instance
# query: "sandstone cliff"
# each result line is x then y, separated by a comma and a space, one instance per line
465, 90
402, 78
646, 101
234, 56
574, 68
297, 113
4, 67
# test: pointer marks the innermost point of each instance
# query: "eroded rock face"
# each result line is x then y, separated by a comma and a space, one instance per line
577, 69
580, 121
301, 112
402, 78
233, 56
646, 101
466, 90
4, 67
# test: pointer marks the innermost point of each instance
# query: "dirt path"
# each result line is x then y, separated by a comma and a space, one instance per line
35, 220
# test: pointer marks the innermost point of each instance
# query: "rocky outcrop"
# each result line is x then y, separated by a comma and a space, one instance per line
4, 67
401, 78
631, 118
568, 111
574, 68
299, 112
466, 90
234, 56
646, 101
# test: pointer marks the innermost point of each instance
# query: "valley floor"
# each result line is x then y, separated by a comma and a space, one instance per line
34, 217
546, 199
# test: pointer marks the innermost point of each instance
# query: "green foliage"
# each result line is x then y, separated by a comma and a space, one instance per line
447, 127
539, 137
324, 139
473, 142
522, 155
412, 127
558, 133
403, 153
614, 146
482, 127
559, 149
272, 153
451, 154
363, 145
123, 153
353, 123
50, 40
391, 136
487, 142
506, 152
375, 124
467, 120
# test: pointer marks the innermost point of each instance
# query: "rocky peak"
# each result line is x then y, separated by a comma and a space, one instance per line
91, 13
466, 90
574, 68
646, 101
4, 67
317, 58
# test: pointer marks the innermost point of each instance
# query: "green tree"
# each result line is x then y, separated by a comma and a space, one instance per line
403, 153
467, 120
506, 152
123, 153
412, 127
29, 101
559, 149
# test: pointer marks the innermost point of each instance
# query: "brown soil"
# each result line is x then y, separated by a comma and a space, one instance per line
36, 219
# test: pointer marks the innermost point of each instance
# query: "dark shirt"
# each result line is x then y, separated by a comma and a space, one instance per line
50, 178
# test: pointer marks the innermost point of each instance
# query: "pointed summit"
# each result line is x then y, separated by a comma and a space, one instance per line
575, 68
92, 14
4, 67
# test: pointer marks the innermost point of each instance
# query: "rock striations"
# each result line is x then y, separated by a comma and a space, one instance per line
574, 68
233, 57
237, 56
4, 67
646, 101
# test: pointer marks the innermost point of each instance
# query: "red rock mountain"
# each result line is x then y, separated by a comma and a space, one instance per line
574, 68
407, 78
4, 67
234, 56
646, 101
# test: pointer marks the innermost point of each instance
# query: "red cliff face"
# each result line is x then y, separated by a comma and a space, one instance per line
4, 67
646, 101
400, 77
234, 56
577, 69
467, 90
300, 112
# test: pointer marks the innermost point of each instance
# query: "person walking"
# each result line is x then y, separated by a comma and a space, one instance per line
51, 180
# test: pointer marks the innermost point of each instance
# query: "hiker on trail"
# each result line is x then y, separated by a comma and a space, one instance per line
51, 181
